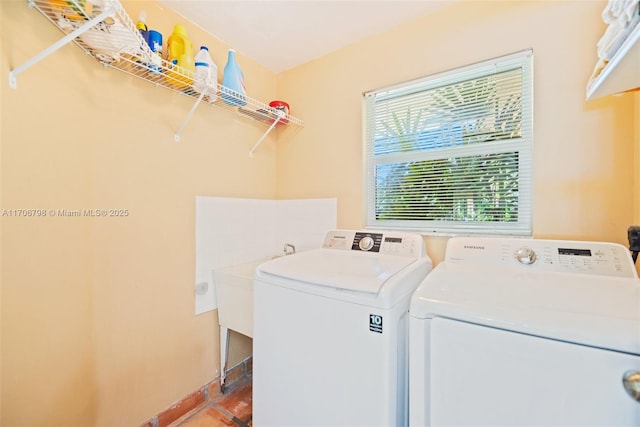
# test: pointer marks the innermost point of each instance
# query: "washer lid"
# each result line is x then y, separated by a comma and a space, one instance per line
580, 308
353, 271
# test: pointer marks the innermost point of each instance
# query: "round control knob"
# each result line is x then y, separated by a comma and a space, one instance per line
366, 243
631, 382
526, 256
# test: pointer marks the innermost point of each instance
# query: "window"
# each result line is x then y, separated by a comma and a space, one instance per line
451, 153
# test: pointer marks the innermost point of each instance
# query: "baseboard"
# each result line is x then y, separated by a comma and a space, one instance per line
208, 392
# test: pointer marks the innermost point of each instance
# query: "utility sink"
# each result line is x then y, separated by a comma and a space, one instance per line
234, 293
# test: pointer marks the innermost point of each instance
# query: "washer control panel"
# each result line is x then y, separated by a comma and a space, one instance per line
382, 242
596, 258
369, 242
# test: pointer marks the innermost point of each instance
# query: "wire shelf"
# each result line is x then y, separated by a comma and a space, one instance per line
105, 31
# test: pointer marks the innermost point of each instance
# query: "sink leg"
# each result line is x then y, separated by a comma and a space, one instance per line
224, 354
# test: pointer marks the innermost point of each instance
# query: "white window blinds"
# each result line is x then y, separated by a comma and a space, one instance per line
451, 153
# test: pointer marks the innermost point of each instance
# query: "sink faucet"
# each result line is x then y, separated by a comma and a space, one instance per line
289, 249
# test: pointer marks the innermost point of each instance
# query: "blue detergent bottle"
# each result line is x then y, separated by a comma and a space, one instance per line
233, 90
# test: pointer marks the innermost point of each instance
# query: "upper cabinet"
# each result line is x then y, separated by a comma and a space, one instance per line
622, 73
618, 68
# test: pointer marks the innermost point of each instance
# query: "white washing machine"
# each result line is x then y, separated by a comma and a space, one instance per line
330, 331
520, 332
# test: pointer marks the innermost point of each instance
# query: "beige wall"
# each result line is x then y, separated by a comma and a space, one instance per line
583, 152
636, 190
98, 324
97, 314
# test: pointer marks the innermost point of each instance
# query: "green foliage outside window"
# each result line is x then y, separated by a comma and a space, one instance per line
481, 187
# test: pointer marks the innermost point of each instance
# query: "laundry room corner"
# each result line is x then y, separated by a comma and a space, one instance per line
98, 324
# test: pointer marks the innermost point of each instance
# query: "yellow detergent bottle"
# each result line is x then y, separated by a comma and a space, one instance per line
180, 55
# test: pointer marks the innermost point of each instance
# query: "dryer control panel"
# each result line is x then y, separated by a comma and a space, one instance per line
381, 242
595, 258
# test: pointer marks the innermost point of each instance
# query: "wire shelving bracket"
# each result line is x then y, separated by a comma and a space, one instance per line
104, 15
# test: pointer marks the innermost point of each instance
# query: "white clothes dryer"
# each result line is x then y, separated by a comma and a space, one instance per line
330, 331
525, 332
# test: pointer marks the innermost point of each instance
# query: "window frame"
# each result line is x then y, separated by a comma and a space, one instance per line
523, 145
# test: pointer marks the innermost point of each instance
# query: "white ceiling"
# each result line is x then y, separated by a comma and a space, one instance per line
284, 34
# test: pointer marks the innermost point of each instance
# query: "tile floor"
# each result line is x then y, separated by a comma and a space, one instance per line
233, 408
208, 407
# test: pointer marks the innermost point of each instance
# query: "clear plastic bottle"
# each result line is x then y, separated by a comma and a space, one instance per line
233, 89
205, 78
180, 54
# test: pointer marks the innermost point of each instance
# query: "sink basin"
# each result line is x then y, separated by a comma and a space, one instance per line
234, 293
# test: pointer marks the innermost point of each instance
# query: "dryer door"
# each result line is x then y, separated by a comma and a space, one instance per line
483, 376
